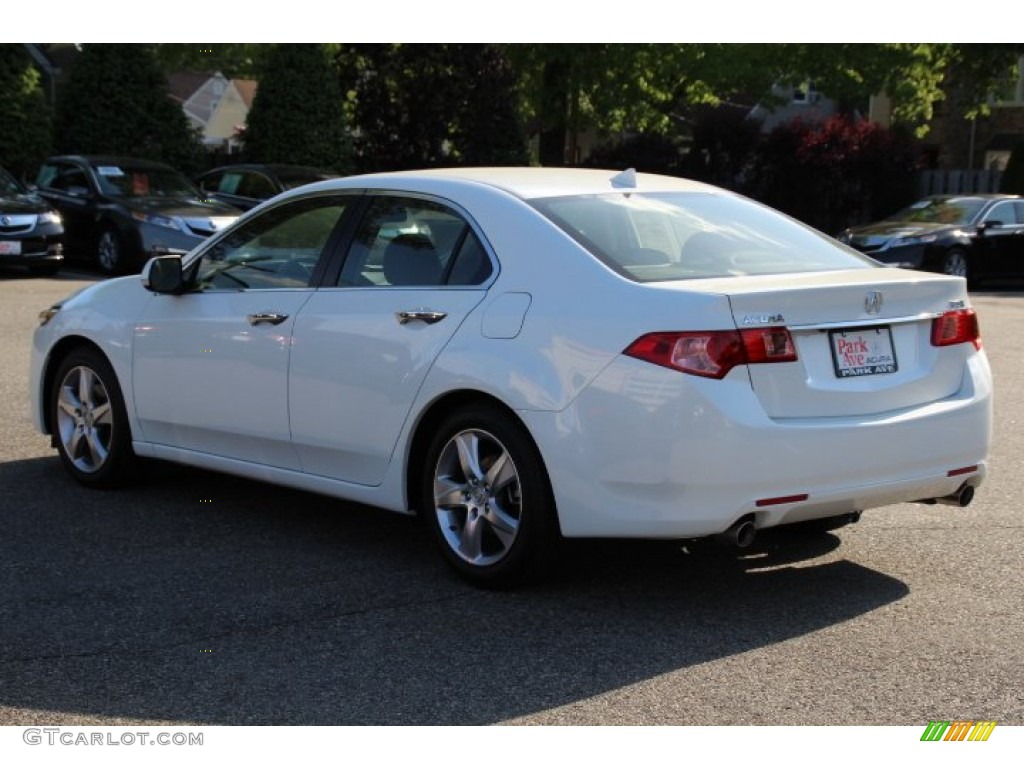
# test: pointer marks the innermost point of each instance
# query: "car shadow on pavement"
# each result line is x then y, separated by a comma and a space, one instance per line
201, 598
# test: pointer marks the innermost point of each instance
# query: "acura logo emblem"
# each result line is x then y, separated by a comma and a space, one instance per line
873, 302
6, 220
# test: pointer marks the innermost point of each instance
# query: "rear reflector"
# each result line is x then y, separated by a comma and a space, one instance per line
958, 326
781, 500
714, 353
962, 471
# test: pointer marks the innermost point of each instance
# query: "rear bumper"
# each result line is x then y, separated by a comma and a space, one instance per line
649, 452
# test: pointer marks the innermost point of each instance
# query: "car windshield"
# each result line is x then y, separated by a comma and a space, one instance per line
8, 184
141, 181
941, 210
683, 236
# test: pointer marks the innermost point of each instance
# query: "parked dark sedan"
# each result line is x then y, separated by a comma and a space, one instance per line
246, 186
30, 230
971, 236
119, 210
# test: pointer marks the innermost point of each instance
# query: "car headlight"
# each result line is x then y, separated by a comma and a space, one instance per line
912, 240
171, 222
50, 217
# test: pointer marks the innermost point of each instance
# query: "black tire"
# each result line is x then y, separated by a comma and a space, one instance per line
89, 421
956, 263
46, 269
499, 527
110, 251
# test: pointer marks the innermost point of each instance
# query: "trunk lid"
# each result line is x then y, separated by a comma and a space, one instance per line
863, 340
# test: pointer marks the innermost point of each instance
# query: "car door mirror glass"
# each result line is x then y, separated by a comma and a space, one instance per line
162, 274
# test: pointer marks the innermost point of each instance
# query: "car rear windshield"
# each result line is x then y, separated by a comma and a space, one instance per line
690, 235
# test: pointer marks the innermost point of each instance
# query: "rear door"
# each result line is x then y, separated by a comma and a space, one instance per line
364, 344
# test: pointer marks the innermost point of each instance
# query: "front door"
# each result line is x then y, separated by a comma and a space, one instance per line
211, 366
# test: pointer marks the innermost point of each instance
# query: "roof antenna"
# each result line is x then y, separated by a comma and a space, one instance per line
625, 179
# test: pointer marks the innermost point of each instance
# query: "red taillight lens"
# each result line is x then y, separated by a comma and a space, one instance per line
958, 326
714, 353
768, 345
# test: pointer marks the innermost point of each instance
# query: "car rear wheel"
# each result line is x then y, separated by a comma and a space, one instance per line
109, 252
486, 497
955, 264
89, 420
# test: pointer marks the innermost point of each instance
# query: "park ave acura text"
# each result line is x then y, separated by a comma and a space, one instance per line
522, 355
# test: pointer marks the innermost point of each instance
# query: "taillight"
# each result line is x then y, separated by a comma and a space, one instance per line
714, 353
958, 326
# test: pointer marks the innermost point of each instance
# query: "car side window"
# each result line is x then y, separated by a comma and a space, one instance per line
1004, 213
66, 178
209, 184
408, 242
279, 249
256, 186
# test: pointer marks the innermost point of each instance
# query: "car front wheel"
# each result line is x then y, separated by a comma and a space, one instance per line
89, 420
486, 497
109, 252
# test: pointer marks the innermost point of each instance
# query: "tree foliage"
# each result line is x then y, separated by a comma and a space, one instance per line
230, 59
841, 172
298, 113
25, 130
432, 105
117, 102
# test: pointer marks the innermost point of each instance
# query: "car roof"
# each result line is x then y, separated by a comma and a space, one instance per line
525, 183
272, 167
135, 162
974, 196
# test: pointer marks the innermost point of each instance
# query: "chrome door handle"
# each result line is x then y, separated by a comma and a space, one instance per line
428, 316
266, 317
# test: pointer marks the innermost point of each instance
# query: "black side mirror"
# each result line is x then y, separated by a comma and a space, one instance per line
162, 274
989, 225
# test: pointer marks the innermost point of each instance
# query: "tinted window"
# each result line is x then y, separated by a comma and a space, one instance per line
134, 181
1005, 213
411, 242
279, 249
679, 236
941, 210
63, 177
255, 185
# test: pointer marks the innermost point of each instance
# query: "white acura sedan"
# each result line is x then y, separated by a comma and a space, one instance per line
521, 355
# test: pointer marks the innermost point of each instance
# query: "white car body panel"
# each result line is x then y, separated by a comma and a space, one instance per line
330, 400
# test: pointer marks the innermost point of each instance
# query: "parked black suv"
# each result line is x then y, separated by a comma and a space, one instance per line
30, 230
120, 210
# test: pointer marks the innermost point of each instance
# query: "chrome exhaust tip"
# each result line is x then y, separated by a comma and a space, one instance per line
740, 534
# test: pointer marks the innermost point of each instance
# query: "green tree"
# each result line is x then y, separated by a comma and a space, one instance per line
25, 130
230, 59
298, 113
116, 102
431, 105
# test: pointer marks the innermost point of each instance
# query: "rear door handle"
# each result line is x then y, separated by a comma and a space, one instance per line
266, 317
428, 316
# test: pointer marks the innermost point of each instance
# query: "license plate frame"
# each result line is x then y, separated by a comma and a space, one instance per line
866, 351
